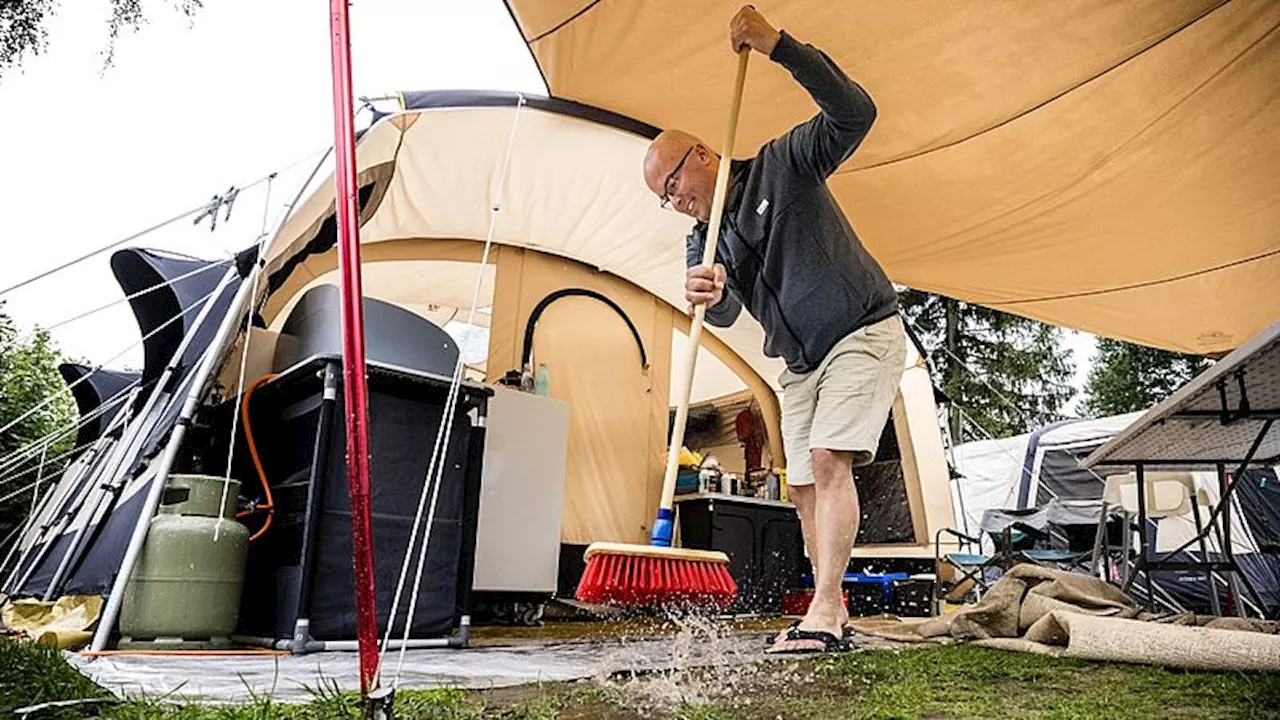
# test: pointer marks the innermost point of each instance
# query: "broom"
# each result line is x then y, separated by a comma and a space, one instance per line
658, 574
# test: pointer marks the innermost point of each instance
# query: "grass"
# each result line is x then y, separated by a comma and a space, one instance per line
929, 682
32, 674
972, 682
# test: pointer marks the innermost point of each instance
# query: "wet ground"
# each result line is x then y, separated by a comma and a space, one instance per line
498, 657
694, 669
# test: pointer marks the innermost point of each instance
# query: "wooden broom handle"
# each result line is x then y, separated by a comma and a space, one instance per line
708, 259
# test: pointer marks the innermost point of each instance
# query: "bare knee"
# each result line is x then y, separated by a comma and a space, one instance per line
830, 466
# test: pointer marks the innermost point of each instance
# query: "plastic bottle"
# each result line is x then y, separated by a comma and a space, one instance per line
542, 384
773, 487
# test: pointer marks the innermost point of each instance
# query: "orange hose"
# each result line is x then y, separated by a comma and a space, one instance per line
270, 505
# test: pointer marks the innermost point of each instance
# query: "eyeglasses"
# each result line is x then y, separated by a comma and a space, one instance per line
668, 187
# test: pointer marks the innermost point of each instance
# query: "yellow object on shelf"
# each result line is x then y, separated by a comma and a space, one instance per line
689, 458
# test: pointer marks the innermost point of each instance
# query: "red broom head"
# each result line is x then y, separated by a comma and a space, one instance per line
647, 576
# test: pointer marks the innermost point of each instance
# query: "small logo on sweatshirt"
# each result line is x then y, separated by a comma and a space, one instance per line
764, 205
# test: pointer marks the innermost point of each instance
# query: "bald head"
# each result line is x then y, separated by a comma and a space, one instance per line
682, 164
664, 154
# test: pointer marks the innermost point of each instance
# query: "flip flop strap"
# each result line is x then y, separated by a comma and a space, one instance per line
828, 640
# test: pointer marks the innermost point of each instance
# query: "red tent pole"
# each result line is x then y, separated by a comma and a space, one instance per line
353, 367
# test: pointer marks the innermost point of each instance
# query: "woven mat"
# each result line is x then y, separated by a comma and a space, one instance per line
1053, 612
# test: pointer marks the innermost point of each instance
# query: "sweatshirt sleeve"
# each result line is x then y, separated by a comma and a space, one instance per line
817, 147
725, 312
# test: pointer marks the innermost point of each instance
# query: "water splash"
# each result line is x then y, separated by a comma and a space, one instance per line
704, 662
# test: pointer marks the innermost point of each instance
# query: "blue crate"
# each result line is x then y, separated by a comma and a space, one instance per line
884, 580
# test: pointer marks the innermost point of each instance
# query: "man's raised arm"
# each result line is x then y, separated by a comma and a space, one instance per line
818, 146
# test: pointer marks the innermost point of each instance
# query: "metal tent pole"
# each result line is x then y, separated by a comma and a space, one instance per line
315, 506
195, 393
40, 546
106, 489
355, 390
78, 493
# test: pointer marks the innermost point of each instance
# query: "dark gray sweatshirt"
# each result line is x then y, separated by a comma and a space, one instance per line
790, 254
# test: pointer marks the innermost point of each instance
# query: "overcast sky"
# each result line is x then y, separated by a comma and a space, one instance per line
188, 110
192, 108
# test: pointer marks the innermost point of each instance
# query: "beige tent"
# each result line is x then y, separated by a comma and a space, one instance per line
574, 213
1107, 166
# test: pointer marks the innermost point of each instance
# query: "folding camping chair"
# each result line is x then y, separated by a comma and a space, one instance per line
1111, 543
1013, 532
959, 573
967, 571
1168, 495
1068, 538
1058, 534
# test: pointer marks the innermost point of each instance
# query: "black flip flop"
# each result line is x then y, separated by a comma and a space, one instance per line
830, 643
847, 633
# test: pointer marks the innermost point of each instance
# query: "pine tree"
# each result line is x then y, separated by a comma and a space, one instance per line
1127, 377
1004, 373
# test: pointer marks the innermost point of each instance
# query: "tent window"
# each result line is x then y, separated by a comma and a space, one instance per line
882, 495
473, 340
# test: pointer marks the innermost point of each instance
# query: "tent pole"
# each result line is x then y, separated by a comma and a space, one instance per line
355, 392
315, 505
42, 542
70, 506
112, 463
195, 393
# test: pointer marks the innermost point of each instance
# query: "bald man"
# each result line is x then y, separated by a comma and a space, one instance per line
788, 254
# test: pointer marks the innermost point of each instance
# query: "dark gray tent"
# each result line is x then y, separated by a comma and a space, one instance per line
100, 395
81, 539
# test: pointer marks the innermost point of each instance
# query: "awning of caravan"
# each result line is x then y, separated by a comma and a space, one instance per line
1104, 166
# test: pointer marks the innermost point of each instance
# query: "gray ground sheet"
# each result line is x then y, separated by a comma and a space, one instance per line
287, 678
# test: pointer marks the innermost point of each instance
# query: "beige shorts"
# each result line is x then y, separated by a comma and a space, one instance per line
843, 403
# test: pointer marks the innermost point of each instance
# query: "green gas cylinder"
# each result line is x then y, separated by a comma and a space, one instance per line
185, 589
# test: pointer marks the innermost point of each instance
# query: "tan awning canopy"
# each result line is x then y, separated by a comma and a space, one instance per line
1112, 167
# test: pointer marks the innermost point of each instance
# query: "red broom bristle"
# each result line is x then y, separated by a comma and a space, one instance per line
642, 581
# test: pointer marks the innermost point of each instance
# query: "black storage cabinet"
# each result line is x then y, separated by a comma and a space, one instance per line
761, 537
302, 566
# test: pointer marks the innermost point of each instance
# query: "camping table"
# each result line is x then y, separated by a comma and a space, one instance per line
1221, 417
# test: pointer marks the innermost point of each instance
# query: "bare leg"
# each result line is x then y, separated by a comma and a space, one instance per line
804, 497
836, 523
835, 516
